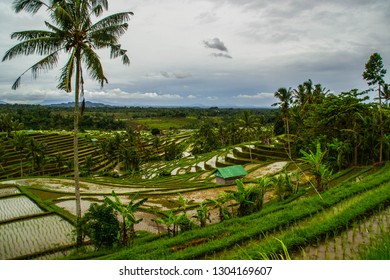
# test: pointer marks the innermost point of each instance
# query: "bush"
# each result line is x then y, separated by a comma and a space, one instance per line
101, 225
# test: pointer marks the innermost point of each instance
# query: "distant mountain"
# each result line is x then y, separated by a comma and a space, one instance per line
2, 102
88, 104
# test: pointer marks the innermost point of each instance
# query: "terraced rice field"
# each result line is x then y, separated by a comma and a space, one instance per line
34, 236
16, 207
26, 229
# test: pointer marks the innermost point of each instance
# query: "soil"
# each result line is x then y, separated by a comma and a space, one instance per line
267, 170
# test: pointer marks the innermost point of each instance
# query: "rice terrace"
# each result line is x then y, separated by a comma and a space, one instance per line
307, 178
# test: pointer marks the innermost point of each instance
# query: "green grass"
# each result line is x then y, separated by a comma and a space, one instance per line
377, 249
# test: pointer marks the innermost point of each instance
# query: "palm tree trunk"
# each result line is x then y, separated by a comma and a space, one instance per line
76, 151
288, 136
381, 124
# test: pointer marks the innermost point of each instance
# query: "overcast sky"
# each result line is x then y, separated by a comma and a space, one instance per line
216, 52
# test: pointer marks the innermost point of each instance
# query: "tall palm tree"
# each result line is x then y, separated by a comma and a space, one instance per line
285, 97
71, 31
247, 122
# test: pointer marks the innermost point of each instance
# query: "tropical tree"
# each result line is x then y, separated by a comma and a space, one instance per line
386, 93
285, 97
19, 143
128, 214
341, 148
219, 203
36, 152
247, 122
2, 156
88, 164
373, 74
59, 161
101, 225
317, 165
248, 199
203, 214
71, 30
8, 124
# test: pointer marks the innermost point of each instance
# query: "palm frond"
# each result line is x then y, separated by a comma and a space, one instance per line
65, 80
30, 6
45, 64
112, 20
63, 15
39, 46
98, 6
30, 34
112, 31
116, 51
94, 66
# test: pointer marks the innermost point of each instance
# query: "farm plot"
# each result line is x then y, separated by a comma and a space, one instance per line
6, 191
33, 236
15, 207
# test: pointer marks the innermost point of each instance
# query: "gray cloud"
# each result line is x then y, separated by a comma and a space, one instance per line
176, 75
221, 55
215, 44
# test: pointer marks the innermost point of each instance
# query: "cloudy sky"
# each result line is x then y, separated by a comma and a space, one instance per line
216, 52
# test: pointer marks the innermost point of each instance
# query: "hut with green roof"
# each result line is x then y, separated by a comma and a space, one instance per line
228, 175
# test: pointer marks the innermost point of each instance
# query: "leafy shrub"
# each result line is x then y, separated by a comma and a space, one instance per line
101, 225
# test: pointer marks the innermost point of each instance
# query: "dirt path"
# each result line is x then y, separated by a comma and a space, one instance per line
67, 185
267, 170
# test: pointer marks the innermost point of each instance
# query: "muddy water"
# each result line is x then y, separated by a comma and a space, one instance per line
346, 245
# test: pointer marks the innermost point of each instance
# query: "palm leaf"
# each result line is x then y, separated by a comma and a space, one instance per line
112, 20
65, 80
47, 63
30, 34
93, 63
39, 46
30, 6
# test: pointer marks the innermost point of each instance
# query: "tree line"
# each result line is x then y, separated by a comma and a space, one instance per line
351, 129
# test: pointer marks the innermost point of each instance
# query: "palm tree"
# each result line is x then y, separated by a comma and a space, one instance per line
36, 151
247, 123
19, 142
72, 31
386, 93
59, 161
285, 97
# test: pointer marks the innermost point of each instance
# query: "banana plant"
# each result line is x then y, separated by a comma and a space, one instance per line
203, 214
318, 167
127, 213
241, 196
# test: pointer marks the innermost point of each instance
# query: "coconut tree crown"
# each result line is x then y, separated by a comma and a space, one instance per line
70, 31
